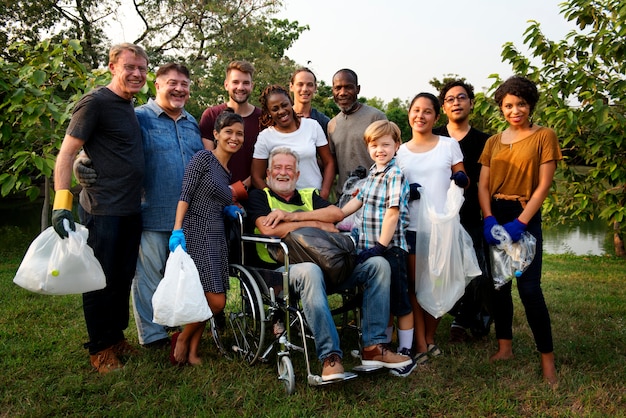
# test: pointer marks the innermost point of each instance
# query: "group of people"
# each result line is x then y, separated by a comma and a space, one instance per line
155, 179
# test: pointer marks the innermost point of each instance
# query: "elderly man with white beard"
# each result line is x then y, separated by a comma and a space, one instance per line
279, 209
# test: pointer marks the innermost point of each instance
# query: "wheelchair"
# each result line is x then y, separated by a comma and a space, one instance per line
257, 300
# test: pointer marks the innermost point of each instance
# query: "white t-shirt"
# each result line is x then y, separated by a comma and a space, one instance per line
304, 141
431, 169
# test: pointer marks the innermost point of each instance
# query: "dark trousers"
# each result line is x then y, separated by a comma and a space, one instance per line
528, 285
115, 243
478, 293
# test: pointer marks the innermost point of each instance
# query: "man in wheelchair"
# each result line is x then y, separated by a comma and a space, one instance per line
280, 209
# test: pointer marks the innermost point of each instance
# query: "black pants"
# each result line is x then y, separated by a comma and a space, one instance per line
528, 285
115, 242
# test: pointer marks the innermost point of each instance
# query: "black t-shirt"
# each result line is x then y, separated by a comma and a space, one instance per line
472, 146
108, 125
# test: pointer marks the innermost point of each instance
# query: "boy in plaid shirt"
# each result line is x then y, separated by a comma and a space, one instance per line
384, 198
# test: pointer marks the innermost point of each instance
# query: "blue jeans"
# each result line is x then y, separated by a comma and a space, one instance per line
307, 282
153, 254
115, 243
373, 276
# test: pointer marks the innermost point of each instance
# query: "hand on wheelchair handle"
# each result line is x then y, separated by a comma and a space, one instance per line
231, 212
376, 250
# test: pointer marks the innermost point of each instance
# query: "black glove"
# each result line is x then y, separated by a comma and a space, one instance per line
84, 172
376, 250
58, 215
460, 179
414, 194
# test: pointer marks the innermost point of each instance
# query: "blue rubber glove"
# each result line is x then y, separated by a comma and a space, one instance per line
231, 212
414, 194
488, 223
460, 179
58, 215
376, 250
178, 238
515, 229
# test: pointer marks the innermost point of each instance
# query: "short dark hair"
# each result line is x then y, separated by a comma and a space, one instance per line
352, 74
226, 118
166, 68
456, 83
518, 86
430, 97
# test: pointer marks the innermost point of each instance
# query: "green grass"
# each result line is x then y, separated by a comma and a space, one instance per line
45, 370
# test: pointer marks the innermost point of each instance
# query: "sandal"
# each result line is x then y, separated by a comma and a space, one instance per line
421, 358
434, 351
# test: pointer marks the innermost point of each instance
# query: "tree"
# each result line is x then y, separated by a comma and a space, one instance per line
37, 93
583, 81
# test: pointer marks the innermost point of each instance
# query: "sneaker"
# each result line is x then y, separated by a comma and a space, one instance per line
123, 349
105, 361
406, 370
380, 355
458, 334
434, 351
332, 369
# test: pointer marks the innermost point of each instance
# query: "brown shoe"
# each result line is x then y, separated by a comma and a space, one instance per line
458, 334
123, 349
332, 368
381, 356
105, 361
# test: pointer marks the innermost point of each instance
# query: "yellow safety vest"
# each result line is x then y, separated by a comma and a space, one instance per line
307, 199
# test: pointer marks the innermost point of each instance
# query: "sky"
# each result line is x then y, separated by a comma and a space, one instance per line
397, 46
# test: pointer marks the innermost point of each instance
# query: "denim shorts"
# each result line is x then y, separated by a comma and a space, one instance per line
399, 291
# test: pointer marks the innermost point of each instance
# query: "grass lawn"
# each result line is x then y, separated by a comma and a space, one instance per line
46, 372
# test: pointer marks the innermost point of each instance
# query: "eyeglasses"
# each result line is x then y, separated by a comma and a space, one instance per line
450, 99
131, 68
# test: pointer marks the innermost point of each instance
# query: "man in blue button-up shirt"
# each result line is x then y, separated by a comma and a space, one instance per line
171, 136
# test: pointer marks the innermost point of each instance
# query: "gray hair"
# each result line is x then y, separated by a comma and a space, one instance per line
283, 151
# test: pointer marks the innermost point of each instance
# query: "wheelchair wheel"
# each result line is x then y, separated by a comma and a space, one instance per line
245, 314
286, 374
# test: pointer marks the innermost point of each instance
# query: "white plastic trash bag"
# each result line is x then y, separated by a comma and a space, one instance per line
447, 246
179, 299
509, 259
56, 266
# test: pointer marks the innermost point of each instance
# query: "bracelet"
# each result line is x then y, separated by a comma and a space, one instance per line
63, 200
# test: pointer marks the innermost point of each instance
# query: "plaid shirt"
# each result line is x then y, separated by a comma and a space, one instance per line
382, 190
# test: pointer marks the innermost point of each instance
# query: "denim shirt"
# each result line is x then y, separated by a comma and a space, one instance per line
168, 146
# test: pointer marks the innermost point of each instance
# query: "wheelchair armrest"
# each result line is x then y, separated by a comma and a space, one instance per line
264, 239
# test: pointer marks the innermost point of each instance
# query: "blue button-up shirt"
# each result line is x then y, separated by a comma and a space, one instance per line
168, 145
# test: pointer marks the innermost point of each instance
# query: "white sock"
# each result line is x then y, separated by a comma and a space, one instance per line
389, 333
405, 338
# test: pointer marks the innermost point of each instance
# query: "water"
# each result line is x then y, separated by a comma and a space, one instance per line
588, 238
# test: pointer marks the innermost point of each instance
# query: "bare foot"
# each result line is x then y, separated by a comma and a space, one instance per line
502, 355
548, 369
181, 350
195, 360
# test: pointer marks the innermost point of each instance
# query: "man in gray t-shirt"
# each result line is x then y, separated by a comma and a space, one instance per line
346, 129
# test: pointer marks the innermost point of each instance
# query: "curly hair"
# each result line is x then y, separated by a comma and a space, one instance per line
469, 89
518, 86
265, 120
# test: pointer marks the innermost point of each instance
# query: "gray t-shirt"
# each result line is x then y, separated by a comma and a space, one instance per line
109, 127
345, 137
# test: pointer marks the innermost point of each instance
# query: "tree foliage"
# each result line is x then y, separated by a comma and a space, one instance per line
583, 82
